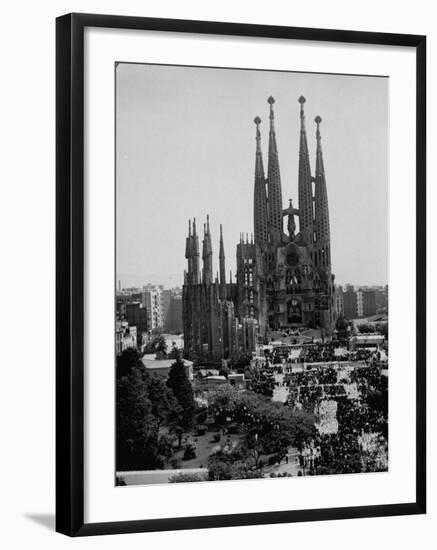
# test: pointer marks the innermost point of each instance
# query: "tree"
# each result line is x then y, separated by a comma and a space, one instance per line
253, 446
165, 406
157, 345
144, 404
174, 353
339, 455
224, 371
165, 447
183, 391
263, 383
271, 427
128, 359
302, 426
136, 435
232, 465
342, 328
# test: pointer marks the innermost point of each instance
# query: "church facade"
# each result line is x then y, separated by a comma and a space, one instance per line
284, 279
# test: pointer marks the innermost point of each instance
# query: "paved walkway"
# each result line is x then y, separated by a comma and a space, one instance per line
292, 467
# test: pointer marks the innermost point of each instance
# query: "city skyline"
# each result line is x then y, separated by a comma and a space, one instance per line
179, 287
208, 158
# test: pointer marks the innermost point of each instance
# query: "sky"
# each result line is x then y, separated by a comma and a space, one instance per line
185, 147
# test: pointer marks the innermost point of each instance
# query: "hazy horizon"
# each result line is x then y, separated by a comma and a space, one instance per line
185, 147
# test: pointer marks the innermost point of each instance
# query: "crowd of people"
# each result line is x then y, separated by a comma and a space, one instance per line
307, 389
318, 353
359, 443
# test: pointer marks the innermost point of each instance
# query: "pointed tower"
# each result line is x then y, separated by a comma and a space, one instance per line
207, 254
305, 183
189, 254
274, 183
195, 252
222, 267
321, 212
259, 194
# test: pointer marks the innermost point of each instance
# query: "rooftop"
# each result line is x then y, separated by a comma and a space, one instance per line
150, 362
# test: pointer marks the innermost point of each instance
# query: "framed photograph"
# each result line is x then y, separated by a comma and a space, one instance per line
240, 274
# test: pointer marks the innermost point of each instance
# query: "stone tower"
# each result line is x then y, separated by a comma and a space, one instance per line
274, 183
207, 254
222, 266
322, 247
260, 223
305, 183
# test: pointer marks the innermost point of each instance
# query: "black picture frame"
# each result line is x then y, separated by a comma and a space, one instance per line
70, 273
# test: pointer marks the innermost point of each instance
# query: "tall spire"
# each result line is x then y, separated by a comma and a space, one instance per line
259, 194
274, 183
192, 254
222, 266
321, 221
195, 249
189, 254
305, 183
207, 254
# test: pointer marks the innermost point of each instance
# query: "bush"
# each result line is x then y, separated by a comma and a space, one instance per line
200, 429
201, 416
216, 437
189, 452
186, 477
233, 428
174, 463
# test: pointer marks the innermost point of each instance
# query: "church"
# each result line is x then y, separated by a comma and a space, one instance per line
284, 279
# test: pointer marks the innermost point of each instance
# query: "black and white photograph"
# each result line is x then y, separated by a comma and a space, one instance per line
216, 213
251, 298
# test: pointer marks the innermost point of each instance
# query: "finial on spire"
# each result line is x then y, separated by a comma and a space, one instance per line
194, 227
318, 120
257, 121
221, 232
271, 100
302, 114
207, 222
189, 228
